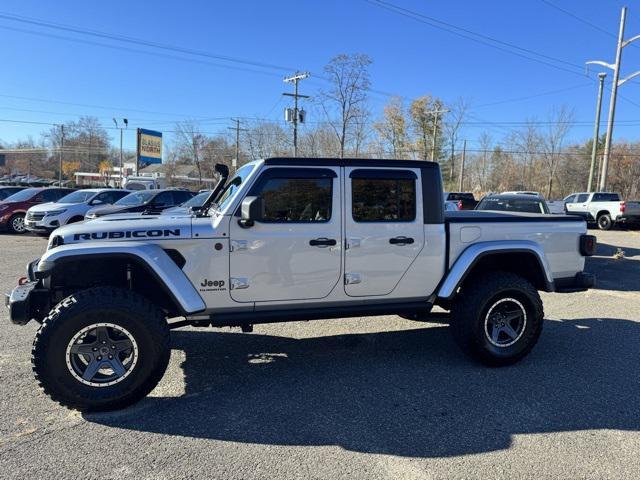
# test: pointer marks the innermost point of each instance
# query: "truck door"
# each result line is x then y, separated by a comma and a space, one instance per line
579, 205
384, 227
294, 251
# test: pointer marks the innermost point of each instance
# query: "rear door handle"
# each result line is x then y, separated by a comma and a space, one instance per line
401, 241
322, 242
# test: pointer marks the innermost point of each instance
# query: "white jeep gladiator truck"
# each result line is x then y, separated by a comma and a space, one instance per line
287, 240
604, 208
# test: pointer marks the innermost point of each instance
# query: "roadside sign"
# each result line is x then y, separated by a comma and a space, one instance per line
149, 146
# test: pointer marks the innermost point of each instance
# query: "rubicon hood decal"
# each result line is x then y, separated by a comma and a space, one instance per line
118, 234
141, 228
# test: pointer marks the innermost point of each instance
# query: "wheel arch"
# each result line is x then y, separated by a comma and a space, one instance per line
145, 269
523, 258
602, 212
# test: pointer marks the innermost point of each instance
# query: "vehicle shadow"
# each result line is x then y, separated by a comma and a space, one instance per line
615, 274
409, 393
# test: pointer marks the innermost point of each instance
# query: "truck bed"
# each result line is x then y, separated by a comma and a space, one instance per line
558, 235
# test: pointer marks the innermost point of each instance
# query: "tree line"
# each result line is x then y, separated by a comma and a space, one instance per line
537, 156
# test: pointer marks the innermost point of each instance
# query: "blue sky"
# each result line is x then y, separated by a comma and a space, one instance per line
411, 58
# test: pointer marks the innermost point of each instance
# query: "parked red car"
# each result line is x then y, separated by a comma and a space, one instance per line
14, 208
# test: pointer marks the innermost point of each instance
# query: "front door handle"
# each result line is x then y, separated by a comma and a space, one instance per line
401, 241
322, 242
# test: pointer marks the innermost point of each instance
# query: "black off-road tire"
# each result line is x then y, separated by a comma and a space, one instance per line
124, 308
469, 312
16, 224
604, 222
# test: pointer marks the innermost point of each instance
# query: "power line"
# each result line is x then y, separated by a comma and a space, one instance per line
138, 41
580, 19
471, 35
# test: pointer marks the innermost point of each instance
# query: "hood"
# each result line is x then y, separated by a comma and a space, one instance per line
45, 207
109, 209
140, 228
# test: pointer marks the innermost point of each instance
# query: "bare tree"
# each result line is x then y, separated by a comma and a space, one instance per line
457, 113
345, 100
552, 141
190, 142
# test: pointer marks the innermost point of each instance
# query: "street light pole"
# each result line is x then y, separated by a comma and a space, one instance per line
126, 124
614, 93
596, 131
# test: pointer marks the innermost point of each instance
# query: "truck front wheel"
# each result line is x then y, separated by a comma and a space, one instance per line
497, 318
101, 349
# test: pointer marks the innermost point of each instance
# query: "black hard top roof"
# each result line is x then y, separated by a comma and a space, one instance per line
349, 162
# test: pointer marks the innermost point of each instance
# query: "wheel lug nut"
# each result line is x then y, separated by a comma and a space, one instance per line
113, 346
94, 349
99, 357
110, 357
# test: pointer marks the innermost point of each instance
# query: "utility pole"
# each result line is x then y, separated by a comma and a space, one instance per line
614, 92
60, 154
234, 161
464, 154
596, 131
295, 79
435, 133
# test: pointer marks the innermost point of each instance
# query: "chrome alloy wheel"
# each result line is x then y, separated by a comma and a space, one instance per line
505, 322
101, 354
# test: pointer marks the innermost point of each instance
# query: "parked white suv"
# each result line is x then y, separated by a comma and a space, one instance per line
71, 208
604, 208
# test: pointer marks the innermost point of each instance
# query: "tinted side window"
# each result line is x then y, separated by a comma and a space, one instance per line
383, 199
164, 198
606, 197
180, 196
297, 199
570, 199
51, 195
581, 198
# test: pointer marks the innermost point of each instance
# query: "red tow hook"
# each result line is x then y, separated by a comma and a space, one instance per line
22, 280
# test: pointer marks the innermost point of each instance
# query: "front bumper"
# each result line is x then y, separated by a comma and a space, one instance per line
19, 303
581, 282
29, 300
44, 225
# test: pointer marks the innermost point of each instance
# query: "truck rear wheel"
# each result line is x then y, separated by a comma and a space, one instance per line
604, 222
497, 318
101, 349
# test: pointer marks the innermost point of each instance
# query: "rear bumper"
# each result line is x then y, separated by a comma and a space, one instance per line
581, 282
628, 219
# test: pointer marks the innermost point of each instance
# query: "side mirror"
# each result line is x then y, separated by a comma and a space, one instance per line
96, 202
251, 210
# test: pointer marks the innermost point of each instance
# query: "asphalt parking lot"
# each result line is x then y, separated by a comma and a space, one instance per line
360, 398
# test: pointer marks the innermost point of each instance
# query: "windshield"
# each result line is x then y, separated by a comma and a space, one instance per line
22, 195
229, 192
196, 201
136, 198
512, 205
80, 196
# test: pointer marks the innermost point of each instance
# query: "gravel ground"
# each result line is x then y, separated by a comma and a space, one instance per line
360, 398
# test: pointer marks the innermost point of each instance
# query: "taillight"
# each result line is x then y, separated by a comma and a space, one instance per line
587, 245
459, 204
623, 206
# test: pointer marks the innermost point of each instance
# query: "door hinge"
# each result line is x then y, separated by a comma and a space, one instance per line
237, 245
352, 278
239, 283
